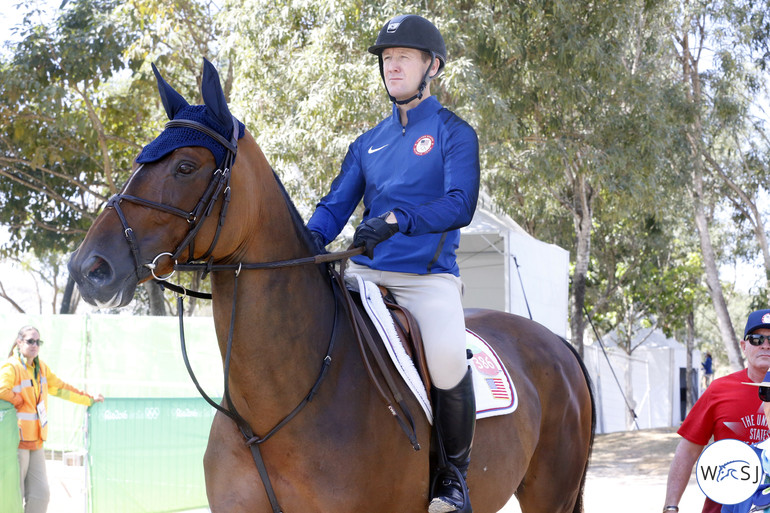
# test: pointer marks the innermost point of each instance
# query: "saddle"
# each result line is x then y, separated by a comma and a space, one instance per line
409, 333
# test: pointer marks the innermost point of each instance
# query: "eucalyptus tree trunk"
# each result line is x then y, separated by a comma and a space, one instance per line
692, 83
726, 330
691, 397
157, 301
70, 297
582, 212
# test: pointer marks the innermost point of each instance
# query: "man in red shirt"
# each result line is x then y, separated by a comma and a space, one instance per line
725, 410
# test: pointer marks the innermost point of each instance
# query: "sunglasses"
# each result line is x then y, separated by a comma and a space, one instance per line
33, 341
756, 340
764, 394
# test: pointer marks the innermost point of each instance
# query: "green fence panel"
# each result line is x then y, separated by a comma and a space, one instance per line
142, 357
117, 356
10, 488
146, 455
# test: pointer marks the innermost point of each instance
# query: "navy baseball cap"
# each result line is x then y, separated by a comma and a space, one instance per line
758, 319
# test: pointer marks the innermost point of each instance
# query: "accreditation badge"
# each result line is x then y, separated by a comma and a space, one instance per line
42, 414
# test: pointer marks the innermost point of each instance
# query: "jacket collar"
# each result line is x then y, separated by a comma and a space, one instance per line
425, 109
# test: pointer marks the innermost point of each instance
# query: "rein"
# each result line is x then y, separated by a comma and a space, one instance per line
220, 186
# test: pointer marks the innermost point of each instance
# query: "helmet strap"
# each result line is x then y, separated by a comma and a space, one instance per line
425, 79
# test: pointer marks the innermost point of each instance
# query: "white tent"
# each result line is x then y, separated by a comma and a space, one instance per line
505, 268
655, 372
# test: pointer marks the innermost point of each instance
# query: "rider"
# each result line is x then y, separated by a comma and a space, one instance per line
418, 173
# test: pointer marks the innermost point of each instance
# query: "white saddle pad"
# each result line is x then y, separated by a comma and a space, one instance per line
495, 392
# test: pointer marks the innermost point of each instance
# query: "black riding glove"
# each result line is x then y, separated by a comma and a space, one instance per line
318, 240
373, 231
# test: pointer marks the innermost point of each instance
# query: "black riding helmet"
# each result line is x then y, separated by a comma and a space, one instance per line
411, 31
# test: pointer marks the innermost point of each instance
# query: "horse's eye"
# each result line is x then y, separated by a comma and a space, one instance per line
185, 168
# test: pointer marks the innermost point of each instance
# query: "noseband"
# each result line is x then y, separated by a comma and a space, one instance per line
218, 185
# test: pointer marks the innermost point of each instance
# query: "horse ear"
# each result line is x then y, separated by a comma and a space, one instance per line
172, 101
213, 96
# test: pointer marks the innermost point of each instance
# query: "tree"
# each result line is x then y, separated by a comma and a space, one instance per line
646, 273
59, 162
594, 128
77, 102
719, 111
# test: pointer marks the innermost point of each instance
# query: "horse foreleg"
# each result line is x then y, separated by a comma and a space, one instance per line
232, 481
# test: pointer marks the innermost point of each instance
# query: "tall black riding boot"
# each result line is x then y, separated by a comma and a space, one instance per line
455, 421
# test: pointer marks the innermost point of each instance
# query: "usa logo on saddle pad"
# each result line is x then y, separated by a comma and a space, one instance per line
495, 393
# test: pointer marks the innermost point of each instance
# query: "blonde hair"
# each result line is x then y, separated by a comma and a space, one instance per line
20, 336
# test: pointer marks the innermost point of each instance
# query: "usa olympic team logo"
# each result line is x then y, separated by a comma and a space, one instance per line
729, 471
423, 145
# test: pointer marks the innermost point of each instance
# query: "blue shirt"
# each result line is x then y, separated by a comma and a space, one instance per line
427, 173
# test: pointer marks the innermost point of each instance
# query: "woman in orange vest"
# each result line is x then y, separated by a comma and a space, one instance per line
26, 382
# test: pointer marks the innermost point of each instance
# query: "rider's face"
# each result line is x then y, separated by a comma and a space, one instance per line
403, 69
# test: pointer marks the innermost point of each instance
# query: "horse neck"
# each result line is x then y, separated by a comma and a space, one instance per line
282, 324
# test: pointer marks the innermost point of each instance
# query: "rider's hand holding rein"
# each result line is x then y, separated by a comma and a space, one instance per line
375, 230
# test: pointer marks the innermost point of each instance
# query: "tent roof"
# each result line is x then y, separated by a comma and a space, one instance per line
489, 218
649, 337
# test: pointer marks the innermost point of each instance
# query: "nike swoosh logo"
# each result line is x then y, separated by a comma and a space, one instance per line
372, 150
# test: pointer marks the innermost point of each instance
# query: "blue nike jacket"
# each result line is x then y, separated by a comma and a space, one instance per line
426, 172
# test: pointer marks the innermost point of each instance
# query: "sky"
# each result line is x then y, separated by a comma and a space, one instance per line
11, 16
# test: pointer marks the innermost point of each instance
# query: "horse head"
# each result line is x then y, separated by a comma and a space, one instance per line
173, 205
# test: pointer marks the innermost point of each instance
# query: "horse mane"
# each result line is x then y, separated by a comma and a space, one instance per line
299, 224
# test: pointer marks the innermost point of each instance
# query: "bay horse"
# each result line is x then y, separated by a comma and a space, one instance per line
343, 452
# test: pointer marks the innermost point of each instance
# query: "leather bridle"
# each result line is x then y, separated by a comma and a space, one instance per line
218, 185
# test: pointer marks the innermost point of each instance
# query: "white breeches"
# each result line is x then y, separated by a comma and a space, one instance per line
435, 301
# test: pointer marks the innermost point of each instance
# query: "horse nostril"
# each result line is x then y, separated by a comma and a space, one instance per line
97, 270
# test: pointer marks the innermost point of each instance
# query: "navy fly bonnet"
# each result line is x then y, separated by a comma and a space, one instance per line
214, 114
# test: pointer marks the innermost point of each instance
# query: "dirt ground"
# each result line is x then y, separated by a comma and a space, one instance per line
627, 473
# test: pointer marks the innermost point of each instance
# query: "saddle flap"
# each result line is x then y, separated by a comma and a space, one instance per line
494, 389
409, 333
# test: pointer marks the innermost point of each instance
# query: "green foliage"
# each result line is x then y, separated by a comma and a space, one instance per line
572, 101
55, 100
77, 102
644, 272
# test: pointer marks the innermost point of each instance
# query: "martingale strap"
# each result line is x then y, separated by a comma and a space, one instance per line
253, 441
